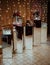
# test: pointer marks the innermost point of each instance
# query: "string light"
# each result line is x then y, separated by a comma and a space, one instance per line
6, 11
9, 22
19, 5
8, 8
23, 5
18, 2
27, 3
14, 5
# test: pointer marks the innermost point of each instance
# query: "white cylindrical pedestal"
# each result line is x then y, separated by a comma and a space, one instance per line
44, 33
37, 36
19, 43
20, 46
28, 41
15, 38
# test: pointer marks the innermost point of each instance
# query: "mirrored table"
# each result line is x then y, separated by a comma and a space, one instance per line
6, 35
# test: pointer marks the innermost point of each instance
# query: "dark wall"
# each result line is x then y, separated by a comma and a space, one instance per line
48, 18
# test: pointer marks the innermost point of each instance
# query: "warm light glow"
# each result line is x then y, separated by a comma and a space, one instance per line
8, 8
7, 1
23, 5
9, 22
27, 3
26, 8
23, 16
20, 11
7, 5
1, 18
19, 5
14, 5
31, 10
0, 9
18, 2
24, 0
13, 2
0, 1
6, 11
7, 17
0, 15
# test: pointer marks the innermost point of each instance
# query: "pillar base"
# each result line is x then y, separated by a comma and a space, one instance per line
14, 52
23, 48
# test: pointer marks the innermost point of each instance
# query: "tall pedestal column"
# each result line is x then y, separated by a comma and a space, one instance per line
14, 40
28, 38
0, 41
24, 38
37, 36
44, 33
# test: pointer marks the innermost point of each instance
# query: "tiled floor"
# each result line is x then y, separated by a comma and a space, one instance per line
37, 55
